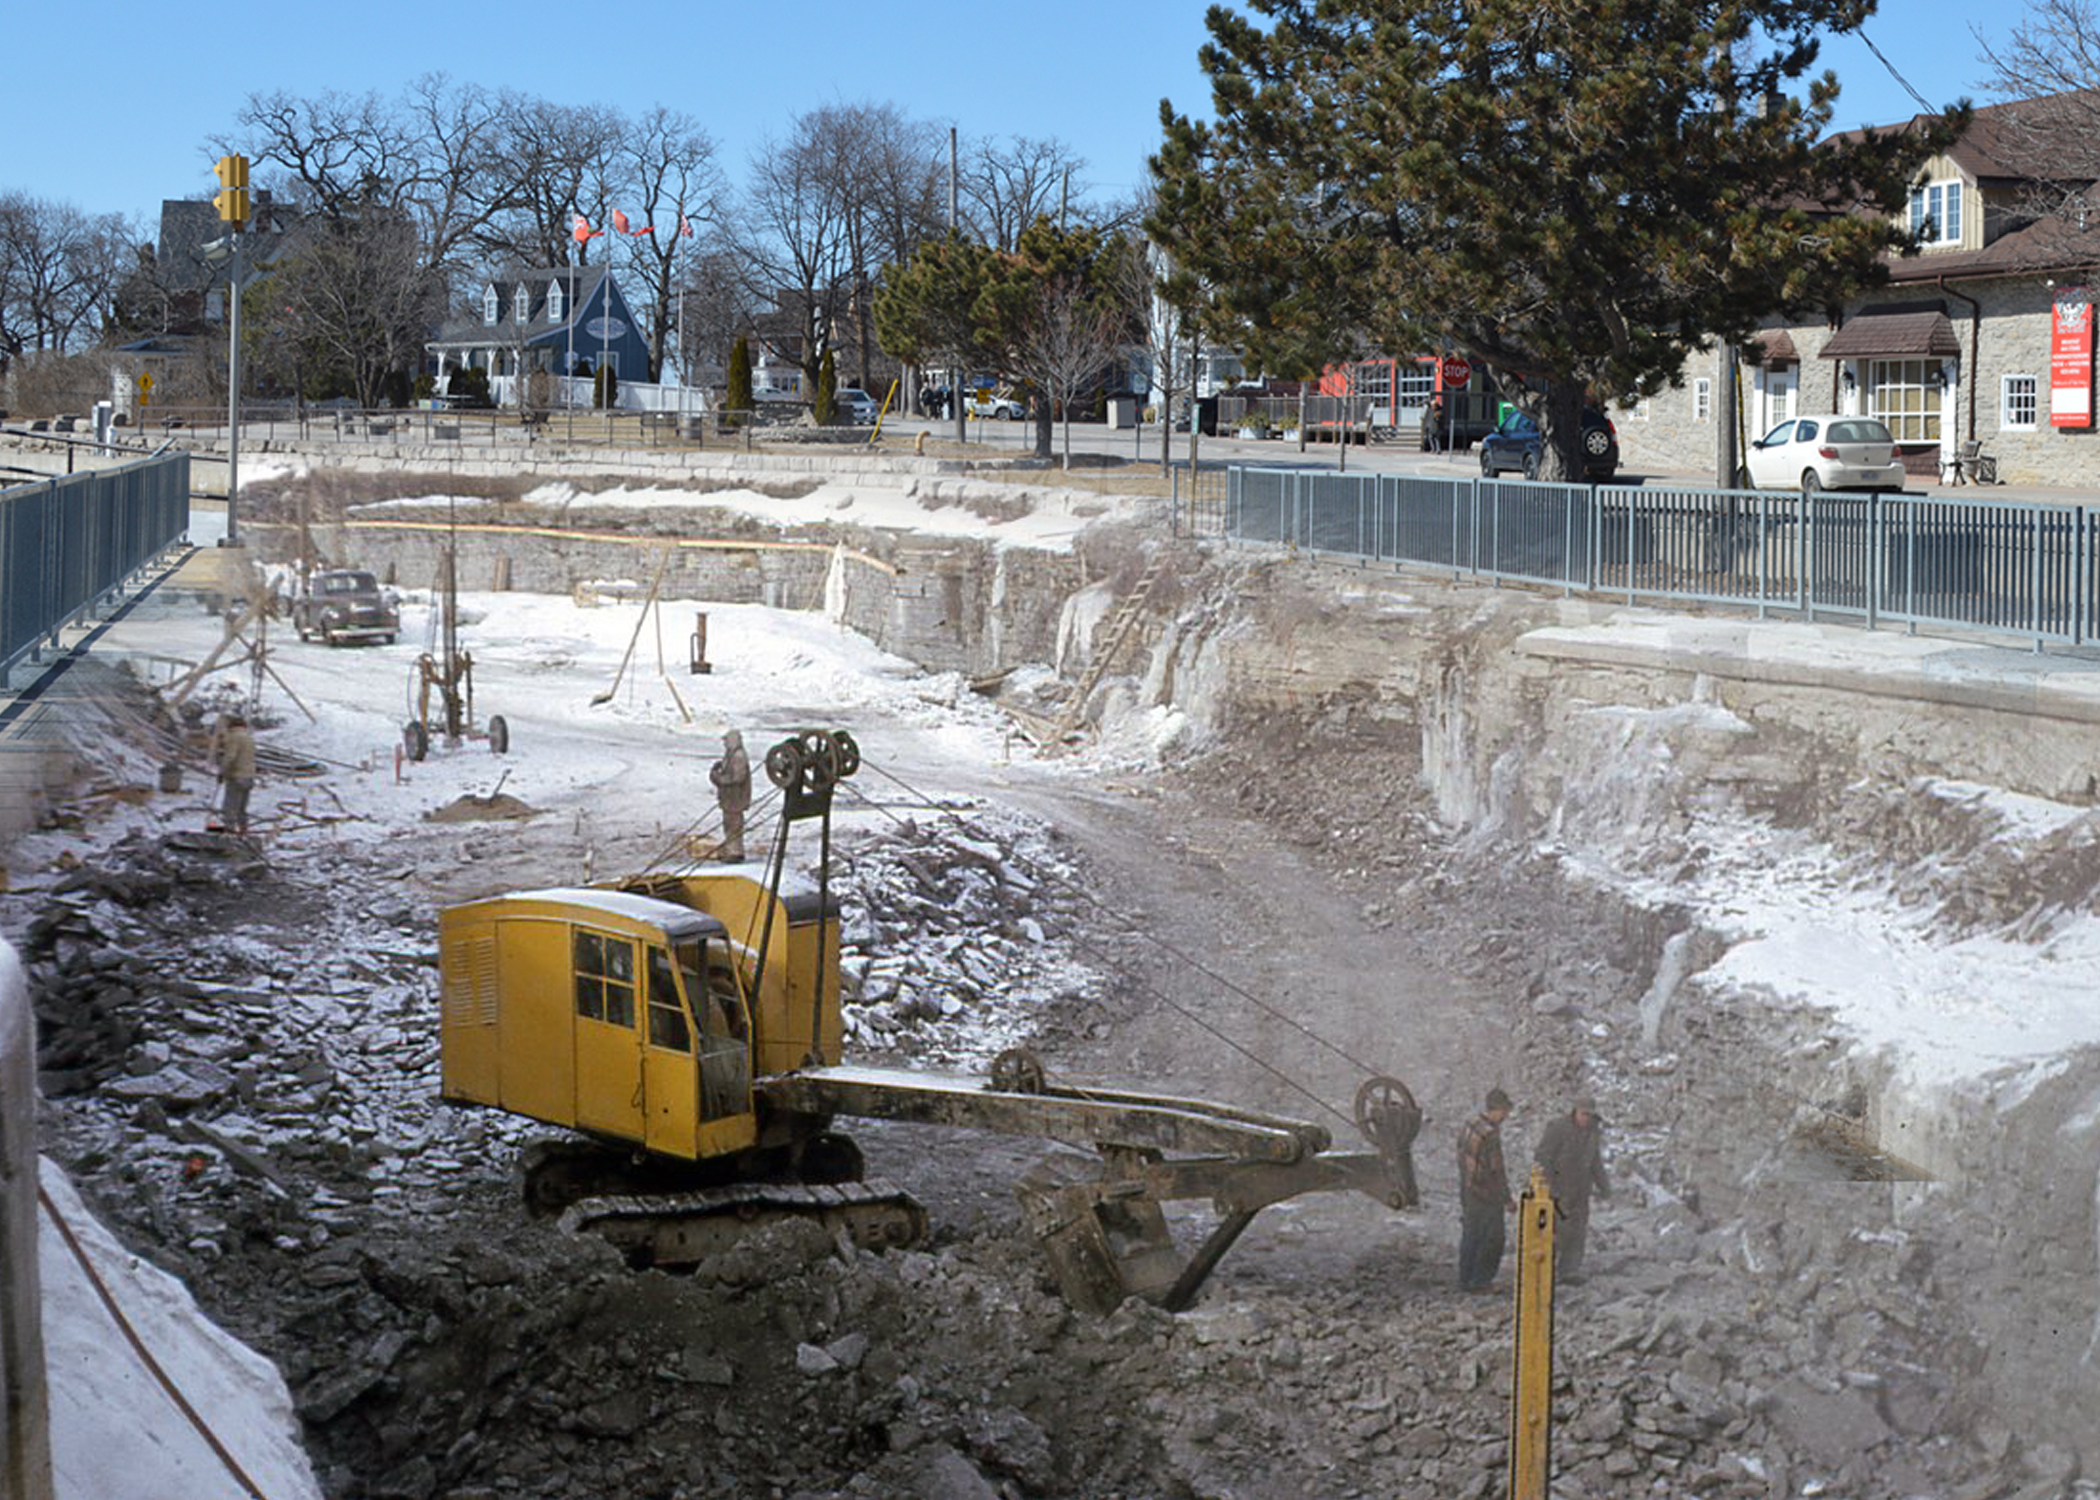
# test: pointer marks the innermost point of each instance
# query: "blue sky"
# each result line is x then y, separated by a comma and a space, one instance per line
112, 108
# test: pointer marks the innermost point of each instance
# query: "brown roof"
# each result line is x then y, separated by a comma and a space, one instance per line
1778, 346
1895, 330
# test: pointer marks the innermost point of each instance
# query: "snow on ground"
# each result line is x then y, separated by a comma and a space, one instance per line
1051, 521
1949, 1006
115, 1430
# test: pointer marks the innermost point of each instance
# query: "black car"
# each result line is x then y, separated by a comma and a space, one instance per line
1515, 445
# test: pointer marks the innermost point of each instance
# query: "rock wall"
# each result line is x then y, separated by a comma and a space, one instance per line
1611, 773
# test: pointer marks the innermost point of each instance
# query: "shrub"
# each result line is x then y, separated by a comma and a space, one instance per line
605, 388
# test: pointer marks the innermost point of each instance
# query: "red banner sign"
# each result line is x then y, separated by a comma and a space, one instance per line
2071, 359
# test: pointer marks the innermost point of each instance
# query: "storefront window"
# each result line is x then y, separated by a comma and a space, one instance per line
1900, 395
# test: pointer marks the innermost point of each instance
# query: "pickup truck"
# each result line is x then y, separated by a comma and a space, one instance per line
345, 604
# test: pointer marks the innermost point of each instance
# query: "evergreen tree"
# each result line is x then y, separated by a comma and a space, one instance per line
1577, 204
1027, 315
605, 388
826, 405
740, 398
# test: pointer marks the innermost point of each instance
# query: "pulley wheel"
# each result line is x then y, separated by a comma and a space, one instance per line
1387, 1114
784, 764
415, 739
499, 733
1017, 1070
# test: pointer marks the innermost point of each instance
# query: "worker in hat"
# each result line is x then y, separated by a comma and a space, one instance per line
731, 776
1571, 1152
1483, 1195
233, 756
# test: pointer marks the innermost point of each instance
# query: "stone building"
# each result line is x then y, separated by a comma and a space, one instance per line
1981, 336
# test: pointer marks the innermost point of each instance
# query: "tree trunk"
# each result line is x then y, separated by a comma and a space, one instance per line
1560, 433
1042, 425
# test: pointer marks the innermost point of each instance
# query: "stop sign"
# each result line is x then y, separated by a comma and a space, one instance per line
1456, 371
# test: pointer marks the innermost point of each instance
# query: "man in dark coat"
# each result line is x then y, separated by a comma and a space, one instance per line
732, 778
1571, 1150
1483, 1195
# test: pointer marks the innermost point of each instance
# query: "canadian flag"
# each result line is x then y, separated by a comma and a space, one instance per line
583, 233
620, 223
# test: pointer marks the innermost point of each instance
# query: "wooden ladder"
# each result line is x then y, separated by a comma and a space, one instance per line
1109, 643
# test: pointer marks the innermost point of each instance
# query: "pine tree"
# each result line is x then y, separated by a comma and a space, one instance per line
740, 398
1578, 206
826, 405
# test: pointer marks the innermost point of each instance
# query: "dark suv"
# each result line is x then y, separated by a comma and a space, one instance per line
1516, 443
345, 604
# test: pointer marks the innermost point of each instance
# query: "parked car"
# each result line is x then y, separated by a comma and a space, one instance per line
1825, 452
857, 406
984, 405
1517, 443
345, 604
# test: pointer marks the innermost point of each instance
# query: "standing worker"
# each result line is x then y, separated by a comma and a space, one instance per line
732, 778
233, 753
1571, 1150
1483, 1193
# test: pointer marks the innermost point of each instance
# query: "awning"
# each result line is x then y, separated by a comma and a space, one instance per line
1778, 347
1895, 333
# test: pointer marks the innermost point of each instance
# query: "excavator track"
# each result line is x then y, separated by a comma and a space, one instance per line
677, 1230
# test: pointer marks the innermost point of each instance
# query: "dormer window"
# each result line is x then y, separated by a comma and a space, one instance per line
521, 309
1935, 213
554, 302
488, 305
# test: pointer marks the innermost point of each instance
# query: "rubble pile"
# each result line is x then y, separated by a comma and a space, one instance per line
956, 938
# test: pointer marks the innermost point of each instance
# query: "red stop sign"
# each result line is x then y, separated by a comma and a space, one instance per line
1456, 371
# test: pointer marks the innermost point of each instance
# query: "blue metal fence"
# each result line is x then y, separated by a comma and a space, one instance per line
2018, 568
68, 542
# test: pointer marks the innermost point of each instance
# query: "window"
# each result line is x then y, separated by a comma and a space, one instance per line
1702, 400
2018, 403
604, 978
1900, 394
1935, 213
555, 306
488, 305
521, 304
667, 1024
1417, 383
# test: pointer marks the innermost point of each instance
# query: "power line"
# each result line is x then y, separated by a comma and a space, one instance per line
1922, 103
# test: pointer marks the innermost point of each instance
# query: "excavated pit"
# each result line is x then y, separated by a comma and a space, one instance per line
1442, 825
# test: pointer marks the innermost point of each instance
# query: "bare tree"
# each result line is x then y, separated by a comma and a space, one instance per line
679, 192
2048, 74
795, 236
1072, 332
353, 291
558, 161
1006, 185
59, 270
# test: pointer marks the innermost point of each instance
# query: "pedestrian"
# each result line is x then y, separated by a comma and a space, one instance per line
1436, 424
1483, 1195
732, 778
1571, 1151
233, 754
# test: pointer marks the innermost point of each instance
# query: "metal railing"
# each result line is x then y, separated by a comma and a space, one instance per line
2016, 568
69, 542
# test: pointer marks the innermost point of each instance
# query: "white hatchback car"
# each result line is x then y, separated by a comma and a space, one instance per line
1826, 453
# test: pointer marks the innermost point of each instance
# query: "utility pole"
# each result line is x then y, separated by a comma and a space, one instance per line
232, 204
955, 403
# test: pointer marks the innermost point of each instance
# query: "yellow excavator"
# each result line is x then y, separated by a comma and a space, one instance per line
687, 1029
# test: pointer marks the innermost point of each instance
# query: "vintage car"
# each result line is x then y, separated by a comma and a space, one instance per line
345, 604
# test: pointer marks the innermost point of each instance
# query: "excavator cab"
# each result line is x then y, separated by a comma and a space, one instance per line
620, 1015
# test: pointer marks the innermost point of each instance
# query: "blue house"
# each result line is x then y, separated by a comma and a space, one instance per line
564, 319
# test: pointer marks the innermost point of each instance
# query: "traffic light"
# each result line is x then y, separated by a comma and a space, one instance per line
232, 198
